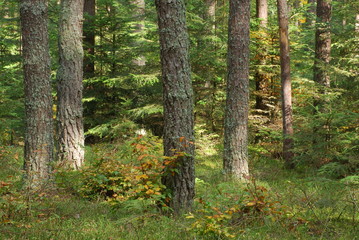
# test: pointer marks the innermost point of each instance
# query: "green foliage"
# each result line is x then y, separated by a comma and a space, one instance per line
113, 130
120, 90
229, 218
351, 180
11, 96
122, 97
135, 178
18, 204
208, 50
280, 204
13, 203
333, 170
327, 136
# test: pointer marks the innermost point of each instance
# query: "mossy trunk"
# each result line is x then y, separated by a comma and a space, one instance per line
178, 102
38, 98
287, 113
69, 84
235, 161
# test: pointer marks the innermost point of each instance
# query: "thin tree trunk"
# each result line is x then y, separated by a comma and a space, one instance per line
262, 12
286, 83
38, 99
210, 85
322, 44
211, 11
139, 27
297, 4
69, 83
89, 37
310, 16
178, 102
321, 63
261, 78
235, 160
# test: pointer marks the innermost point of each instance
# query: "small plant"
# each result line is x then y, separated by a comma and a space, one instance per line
138, 178
259, 201
213, 221
218, 221
333, 170
15, 204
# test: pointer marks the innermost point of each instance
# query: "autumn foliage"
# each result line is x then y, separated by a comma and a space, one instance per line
137, 178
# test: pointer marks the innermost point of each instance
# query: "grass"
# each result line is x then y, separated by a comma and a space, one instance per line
309, 206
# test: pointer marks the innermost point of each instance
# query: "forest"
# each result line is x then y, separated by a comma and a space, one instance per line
179, 119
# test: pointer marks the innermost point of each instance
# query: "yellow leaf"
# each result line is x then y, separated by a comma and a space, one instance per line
149, 192
250, 204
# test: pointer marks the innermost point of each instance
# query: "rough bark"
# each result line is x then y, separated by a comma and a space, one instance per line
178, 101
235, 161
38, 99
261, 78
89, 37
69, 84
286, 83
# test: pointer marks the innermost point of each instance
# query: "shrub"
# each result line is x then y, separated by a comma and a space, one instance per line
220, 221
135, 178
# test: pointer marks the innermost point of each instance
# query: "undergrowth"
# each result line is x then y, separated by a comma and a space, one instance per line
119, 193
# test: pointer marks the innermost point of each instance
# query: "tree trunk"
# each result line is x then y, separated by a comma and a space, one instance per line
89, 37
322, 44
321, 63
69, 83
139, 27
235, 161
310, 20
262, 12
210, 11
261, 78
210, 84
38, 98
286, 83
178, 102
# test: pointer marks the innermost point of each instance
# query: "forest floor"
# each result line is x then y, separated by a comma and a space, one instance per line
274, 204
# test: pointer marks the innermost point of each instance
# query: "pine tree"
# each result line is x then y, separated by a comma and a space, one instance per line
178, 102
69, 84
38, 98
235, 161
287, 113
